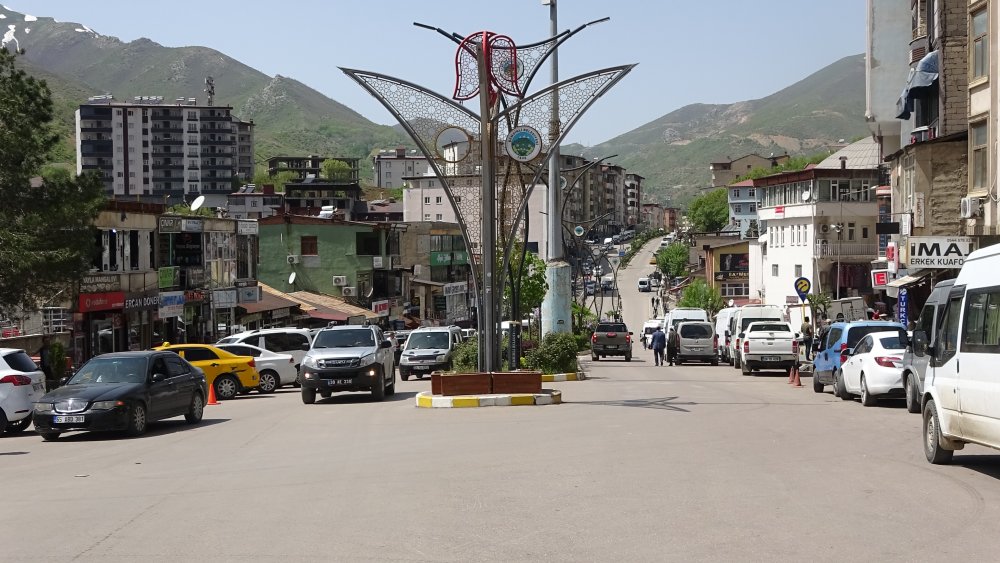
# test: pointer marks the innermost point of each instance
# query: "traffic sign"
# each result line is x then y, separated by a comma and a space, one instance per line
621, 253
802, 287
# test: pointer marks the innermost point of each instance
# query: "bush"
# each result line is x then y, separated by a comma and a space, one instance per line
465, 359
556, 354
582, 342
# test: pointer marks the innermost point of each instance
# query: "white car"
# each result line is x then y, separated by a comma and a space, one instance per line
275, 370
21, 384
875, 369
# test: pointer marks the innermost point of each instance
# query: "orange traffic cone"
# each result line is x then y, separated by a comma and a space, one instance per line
796, 382
211, 396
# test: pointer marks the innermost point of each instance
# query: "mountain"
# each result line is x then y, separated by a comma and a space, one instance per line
674, 151
291, 118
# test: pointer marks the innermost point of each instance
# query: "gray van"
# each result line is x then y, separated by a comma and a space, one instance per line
914, 366
698, 342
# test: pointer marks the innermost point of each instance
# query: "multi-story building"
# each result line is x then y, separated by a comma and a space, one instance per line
245, 159
633, 195
255, 202
391, 166
671, 218
726, 172
155, 151
652, 216
312, 192
742, 206
613, 179
302, 166
820, 224
984, 121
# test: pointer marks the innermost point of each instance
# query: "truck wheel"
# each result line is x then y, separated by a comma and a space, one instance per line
405, 376
736, 362
744, 369
912, 400
308, 396
932, 437
378, 386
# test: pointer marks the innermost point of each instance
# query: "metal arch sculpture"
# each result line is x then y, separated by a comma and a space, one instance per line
460, 144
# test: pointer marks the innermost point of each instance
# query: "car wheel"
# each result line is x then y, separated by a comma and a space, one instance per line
391, 389
136, 420
912, 400
839, 388
197, 409
715, 362
628, 357
932, 437
737, 363
818, 387
404, 376
268, 382
17, 426
595, 357
226, 387
308, 396
50, 436
298, 378
744, 369
866, 397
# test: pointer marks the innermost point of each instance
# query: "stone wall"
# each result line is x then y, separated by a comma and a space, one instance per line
954, 59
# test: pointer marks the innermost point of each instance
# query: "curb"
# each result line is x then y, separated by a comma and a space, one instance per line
552, 377
427, 401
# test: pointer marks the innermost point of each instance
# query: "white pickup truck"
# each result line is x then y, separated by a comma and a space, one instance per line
769, 345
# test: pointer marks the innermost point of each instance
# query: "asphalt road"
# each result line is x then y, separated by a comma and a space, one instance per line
642, 463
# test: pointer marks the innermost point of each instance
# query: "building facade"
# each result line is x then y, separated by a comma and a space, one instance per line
255, 202
726, 172
742, 206
389, 167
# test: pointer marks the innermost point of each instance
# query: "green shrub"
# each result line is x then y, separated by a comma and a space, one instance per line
582, 342
556, 354
466, 356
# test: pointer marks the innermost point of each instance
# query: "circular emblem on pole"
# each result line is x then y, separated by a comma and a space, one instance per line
524, 143
579, 230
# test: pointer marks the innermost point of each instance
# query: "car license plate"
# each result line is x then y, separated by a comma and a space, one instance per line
610, 346
771, 359
338, 381
59, 419
421, 368
38, 386
696, 348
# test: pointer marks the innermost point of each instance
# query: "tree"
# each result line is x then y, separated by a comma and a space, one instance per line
46, 226
818, 303
702, 296
710, 212
261, 177
673, 260
337, 170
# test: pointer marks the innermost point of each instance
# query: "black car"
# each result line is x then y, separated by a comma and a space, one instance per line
123, 391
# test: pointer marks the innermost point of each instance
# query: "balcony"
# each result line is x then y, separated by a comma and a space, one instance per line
162, 142
168, 129
217, 142
206, 117
834, 249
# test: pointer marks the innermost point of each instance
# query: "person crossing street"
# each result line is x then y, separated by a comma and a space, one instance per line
658, 343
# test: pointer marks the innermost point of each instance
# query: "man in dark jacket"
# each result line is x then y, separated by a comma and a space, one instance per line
673, 345
658, 343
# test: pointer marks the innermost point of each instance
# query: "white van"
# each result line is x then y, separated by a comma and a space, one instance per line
648, 328
643, 285
609, 240
961, 399
680, 314
739, 322
721, 328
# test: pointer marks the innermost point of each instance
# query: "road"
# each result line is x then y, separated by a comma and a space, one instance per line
642, 463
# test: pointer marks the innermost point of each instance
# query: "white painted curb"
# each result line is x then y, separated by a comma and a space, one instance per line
427, 401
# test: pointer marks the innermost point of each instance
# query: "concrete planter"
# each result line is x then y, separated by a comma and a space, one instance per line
451, 384
517, 382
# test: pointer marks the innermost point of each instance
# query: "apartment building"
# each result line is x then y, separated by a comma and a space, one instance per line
245, 158
982, 218
255, 202
633, 197
742, 206
154, 151
726, 172
391, 166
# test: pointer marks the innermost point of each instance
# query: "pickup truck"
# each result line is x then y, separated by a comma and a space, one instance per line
769, 345
611, 339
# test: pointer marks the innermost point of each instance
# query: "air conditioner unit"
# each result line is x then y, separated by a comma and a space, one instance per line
293, 258
349, 291
340, 281
824, 228
971, 207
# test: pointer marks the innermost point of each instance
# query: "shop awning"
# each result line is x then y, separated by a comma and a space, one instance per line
923, 76
268, 302
327, 315
329, 305
910, 279
427, 282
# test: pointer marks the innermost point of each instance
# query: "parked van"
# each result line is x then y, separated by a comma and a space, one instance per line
961, 400
676, 316
721, 328
914, 366
643, 285
739, 322
840, 343
697, 342
648, 328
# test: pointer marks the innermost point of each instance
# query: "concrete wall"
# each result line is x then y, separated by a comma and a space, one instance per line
953, 16
886, 66
32, 343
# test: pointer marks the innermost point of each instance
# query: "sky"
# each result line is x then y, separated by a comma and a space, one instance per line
718, 51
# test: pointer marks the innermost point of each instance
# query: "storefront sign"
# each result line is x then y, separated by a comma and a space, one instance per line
194, 296
142, 302
224, 298
171, 304
460, 257
456, 288
247, 228
245, 283
280, 313
880, 278
195, 277
440, 258
169, 276
902, 307
249, 294
192, 225
100, 283
108, 301
170, 224
779, 211
381, 308
186, 250
918, 209
939, 252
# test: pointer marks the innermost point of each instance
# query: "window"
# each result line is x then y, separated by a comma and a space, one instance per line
798, 270
864, 232
774, 270
735, 290
736, 193
437, 200
427, 200
427, 216
981, 328
367, 244
198, 354
980, 57
850, 231
737, 208
751, 192
980, 157
284, 341
437, 217
753, 208
949, 331
175, 366
308, 246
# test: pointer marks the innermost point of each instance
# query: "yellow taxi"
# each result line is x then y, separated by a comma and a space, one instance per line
652, 260
227, 373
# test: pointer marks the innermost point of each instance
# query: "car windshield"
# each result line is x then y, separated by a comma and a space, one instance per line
111, 370
427, 341
855, 334
892, 343
696, 331
746, 322
611, 327
361, 338
769, 328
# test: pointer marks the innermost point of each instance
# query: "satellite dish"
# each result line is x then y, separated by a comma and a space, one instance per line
805, 195
197, 203
291, 278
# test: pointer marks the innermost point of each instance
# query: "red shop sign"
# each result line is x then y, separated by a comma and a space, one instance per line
102, 301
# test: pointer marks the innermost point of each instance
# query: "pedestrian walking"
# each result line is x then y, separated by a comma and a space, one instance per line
673, 345
807, 337
45, 361
658, 344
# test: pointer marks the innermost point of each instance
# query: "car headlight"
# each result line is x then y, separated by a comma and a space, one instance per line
369, 359
404, 360
441, 358
309, 362
106, 405
44, 407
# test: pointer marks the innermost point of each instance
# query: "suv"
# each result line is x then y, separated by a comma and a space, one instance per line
839, 344
21, 383
293, 341
611, 339
348, 358
428, 349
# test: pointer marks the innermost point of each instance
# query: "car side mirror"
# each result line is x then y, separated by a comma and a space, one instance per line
305, 347
385, 344
743, 335
157, 377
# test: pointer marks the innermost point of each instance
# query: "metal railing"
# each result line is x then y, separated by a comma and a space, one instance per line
833, 249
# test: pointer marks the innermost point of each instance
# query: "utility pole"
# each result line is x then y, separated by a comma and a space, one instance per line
556, 310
